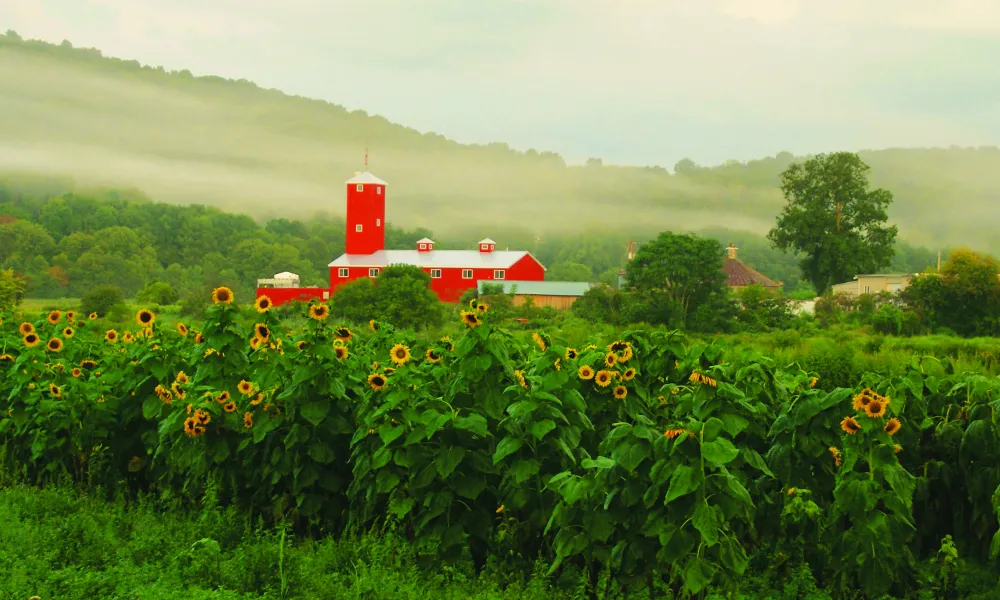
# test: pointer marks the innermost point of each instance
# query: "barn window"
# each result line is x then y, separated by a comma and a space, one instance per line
435, 273
868, 289
360, 188
378, 222
498, 274
373, 272
466, 273
357, 228
379, 190
342, 272
423, 246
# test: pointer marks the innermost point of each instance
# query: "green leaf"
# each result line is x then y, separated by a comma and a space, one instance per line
473, 423
402, 507
630, 456
706, 521
756, 461
540, 428
389, 432
506, 447
151, 407
320, 452
698, 574
720, 451
315, 410
684, 480
448, 460
468, 487
712, 428
601, 462
524, 470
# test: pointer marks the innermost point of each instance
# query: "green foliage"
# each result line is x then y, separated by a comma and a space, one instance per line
101, 299
963, 297
403, 298
834, 219
158, 292
11, 289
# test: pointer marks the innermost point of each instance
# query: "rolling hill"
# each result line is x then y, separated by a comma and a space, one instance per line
230, 144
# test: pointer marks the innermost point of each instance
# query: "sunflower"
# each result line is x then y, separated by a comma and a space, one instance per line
473, 303
182, 378
76, 372
483, 308
433, 356
372, 325
229, 407
892, 426
340, 352
202, 417
263, 304
610, 360
319, 312
300, 344
399, 354
262, 331
672, 433
70, 316
571, 354
192, 428
248, 420
55, 391
875, 409
850, 425
222, 295
586, 372
343, 334
629, 374
68, 332
6, 358
470, 319
88, 364
539, 340
620, 392
257, 399
813, 382
388, 371
54, 345
836, 456
54, 317
897, 448
182, 329
450, 345
177, 390
26, 328
31, 340
604, 378
92, 316
558, 364
199, 338
128, 338
520, 379
145, 317
245, 387
376, 381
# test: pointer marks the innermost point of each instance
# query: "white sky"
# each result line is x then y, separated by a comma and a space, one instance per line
631, 81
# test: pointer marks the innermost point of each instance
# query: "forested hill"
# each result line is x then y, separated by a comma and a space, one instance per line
229, 144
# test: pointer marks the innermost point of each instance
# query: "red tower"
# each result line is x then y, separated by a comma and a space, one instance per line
365, 214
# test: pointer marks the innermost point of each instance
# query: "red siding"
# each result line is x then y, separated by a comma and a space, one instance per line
365, 208
284, 295
450, 286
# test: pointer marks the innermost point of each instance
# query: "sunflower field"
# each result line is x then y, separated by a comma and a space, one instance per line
645, 462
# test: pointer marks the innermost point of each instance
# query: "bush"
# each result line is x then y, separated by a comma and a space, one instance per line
101, 299
157, 292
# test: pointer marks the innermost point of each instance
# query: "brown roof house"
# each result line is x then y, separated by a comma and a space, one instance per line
742, 275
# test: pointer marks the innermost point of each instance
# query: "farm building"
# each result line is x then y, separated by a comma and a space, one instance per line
873, 284
740, 275
452, 272
552, 294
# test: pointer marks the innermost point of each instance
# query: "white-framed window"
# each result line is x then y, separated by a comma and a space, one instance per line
360, 188
423, 246
466, 273
342, 272
435, 273
378, 222
357, 228
379, 188
484, 246
373, 272
868, 289
498, 274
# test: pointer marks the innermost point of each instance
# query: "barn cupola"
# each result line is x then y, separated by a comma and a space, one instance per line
425, 245
487, 245
365, 214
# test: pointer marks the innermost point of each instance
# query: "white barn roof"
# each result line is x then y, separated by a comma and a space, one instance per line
471, 259
425, 241
286, 275
366, 177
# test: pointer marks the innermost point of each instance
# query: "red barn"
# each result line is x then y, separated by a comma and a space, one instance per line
452, 272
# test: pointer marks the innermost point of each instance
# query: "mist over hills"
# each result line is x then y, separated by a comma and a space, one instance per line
230, 144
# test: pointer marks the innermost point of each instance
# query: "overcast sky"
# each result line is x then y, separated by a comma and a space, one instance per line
632, 81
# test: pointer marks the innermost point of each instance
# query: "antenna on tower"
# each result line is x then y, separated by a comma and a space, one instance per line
366, 158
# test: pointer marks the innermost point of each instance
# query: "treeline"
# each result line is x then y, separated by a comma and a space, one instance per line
273, 155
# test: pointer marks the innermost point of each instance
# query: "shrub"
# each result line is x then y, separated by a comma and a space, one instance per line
101, 299
158, 292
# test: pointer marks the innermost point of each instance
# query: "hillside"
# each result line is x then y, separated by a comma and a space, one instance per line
241, 148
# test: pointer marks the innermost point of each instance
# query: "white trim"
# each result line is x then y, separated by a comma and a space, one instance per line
464, 271
422, 246
360, 187
357, 228
433, 271
374, 271
499, 273
378, 222
379, 188
343, 272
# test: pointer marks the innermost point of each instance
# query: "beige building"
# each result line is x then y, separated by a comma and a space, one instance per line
873, 284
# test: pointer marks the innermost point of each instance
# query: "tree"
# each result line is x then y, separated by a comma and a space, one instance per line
354, 301
11, 289
835, 219
158, 292
101, 299
403, 297
686, 270
964, 296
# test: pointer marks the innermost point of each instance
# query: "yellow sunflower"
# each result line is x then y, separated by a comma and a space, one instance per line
55, 391
262, 331
586, 372
6, 358
571, 354
182, 378
875, 408
672, 433
70, 316
54, 317
372, 325
836, 456
68, 332
620, 392
54, 345
850, 425
432, 356
539, 340
892, 426
257, 399
26, 328
300, 344
92, 316
483, 308
31, 340
629, 374
222, 398
604, 378
248, 420
340, 352
202, 417
376, 381
222, 295
76, 372
177, 390
263, 304
319, 312
520, 379
128, 338
88, 364
229, 407
343, 334
470, 319
182, 329
245, 387
145, 318
610, 360
399, 354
